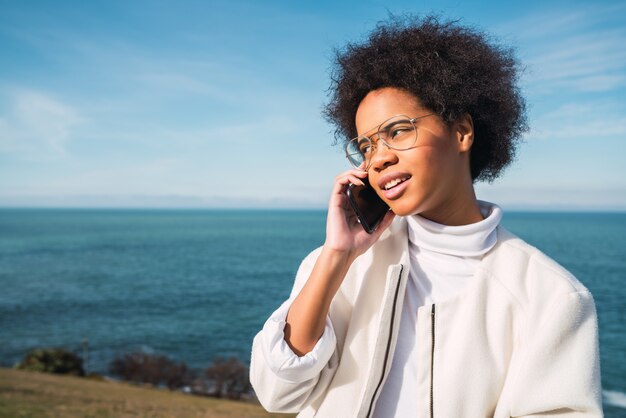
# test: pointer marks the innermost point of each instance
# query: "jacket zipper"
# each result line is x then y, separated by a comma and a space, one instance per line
432, 358
391, 322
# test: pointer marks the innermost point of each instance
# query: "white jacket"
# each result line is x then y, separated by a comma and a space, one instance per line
520, 340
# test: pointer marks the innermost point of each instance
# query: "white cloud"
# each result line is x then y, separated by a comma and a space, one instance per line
590, 62
546, 23
183, 84
36, 126
580, 121
158, 176
600, 82
580, 49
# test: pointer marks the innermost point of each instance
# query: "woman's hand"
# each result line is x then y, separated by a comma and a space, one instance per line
344, 234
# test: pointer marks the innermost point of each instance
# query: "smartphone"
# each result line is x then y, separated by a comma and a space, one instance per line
369, 208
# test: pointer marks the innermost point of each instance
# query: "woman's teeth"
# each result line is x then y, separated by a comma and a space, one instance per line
394, 183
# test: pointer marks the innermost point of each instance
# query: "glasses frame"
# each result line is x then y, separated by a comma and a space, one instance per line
380, 138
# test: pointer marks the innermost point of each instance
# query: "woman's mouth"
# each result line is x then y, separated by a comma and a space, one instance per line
394, 187
393, 183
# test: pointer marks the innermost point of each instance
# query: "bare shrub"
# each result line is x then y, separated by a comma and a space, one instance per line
229, 378
158, 370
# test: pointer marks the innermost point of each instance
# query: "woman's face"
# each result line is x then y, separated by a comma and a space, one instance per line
434, 173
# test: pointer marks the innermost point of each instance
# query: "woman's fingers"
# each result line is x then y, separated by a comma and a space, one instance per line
354, 173
344, 179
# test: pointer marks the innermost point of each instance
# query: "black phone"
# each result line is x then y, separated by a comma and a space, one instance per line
369, 208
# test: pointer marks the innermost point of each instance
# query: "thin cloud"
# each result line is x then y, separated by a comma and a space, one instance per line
37, 126
580, 121
580, 50
541, 26
181, 84
255, 130
590, 62
150, 177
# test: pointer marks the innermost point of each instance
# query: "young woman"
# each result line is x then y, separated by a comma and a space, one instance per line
441, 311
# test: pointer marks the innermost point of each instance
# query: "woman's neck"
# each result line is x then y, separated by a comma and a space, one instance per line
461, 209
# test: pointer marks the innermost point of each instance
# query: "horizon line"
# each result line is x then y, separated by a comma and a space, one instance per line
295, 208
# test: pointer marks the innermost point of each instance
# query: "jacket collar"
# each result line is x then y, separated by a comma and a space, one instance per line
395, 242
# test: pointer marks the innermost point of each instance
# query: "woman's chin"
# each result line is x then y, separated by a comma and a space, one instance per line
402, 210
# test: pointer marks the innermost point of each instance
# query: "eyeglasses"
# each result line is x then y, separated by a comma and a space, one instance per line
398, 133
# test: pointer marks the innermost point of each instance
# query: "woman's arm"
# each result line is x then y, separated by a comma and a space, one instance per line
345, 241
285, 379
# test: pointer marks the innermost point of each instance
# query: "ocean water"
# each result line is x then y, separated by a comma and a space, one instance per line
196, 284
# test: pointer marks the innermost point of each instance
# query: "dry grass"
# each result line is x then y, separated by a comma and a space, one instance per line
29, 395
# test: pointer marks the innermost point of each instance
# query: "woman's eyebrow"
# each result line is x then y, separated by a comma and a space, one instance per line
370, 129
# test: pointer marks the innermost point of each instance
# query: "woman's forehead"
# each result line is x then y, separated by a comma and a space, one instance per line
381, 104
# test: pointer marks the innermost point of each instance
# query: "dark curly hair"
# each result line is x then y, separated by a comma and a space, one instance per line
450, 68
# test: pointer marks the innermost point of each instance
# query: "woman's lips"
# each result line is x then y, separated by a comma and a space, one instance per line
396, 190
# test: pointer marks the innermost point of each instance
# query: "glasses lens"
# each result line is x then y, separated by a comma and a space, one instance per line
356, 151
399, 133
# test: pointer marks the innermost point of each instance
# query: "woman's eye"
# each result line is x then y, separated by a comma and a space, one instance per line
398, 130
395, 133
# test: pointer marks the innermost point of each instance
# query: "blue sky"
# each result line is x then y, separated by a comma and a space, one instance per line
217, 104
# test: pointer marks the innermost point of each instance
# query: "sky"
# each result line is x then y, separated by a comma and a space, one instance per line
201, 104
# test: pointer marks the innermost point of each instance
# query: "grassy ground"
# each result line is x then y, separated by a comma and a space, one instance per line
39, 395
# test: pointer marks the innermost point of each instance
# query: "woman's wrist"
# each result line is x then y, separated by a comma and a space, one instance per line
337, 259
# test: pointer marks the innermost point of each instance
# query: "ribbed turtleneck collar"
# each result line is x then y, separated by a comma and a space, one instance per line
464, 240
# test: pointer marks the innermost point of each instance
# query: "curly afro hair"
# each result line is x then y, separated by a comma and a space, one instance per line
451, 69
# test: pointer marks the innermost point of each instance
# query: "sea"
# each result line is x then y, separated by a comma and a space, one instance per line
198, 284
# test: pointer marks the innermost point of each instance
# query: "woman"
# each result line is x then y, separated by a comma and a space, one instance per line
440, 311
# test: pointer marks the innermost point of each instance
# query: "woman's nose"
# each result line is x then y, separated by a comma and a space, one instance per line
383, 157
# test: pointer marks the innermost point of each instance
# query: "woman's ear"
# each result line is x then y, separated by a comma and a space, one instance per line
464, 129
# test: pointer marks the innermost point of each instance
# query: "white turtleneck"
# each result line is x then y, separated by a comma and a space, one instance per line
443, 260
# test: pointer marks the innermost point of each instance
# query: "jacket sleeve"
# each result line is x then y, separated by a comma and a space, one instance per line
559, 370
283, 381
